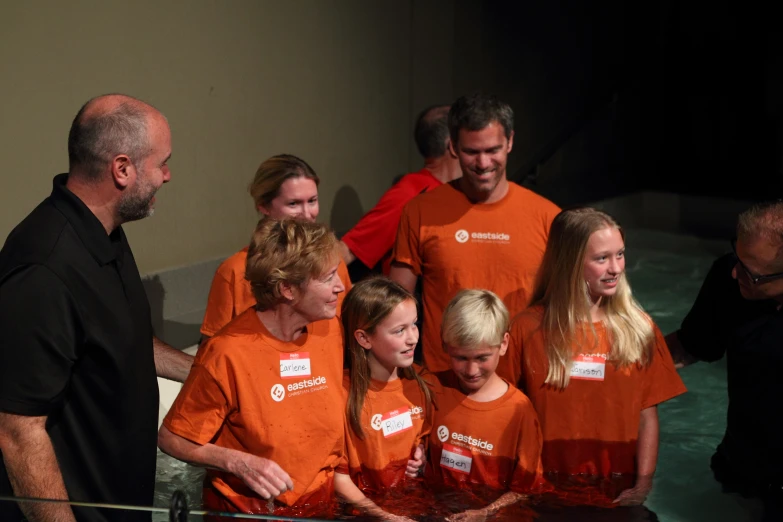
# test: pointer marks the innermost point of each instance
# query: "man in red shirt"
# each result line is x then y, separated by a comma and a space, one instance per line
371, 240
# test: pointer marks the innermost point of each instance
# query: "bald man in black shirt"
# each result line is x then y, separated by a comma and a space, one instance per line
78, 359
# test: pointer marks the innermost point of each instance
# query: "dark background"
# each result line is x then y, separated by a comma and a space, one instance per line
618, 97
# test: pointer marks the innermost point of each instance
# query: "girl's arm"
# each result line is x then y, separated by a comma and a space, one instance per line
479, 515
347, 490
646, 459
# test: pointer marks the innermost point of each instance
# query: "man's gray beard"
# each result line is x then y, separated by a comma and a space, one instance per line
133, 209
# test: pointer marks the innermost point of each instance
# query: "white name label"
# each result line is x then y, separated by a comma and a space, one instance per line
295, 364
589, 368
456, 458
396, 421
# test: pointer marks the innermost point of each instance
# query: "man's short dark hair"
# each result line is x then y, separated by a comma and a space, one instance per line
432, 131
95, 139
474, 112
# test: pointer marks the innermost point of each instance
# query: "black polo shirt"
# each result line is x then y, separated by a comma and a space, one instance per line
76, 346
750, 334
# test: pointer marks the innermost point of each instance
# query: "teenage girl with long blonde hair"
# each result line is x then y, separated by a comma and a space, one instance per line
593, 363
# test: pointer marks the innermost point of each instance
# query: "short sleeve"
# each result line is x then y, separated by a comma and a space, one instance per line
203, 404
661, 380
702, 333
523, 349
220, 304
373, 236
528, 472
406, 246
40, 342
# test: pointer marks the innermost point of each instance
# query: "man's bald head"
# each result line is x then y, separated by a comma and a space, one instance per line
105, 127
432, 131
763, 221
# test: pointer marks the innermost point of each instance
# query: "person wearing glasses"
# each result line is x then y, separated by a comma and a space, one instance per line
737, 314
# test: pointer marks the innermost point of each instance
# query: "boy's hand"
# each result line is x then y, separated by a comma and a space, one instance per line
416, 464
472, 515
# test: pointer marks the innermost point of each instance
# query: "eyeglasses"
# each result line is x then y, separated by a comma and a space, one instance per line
755, 279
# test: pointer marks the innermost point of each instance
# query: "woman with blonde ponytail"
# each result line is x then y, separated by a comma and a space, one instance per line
388, 412
593, 363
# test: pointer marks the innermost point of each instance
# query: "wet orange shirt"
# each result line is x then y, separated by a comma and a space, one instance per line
592, 426
230, 293
454, 244
249, 391
496, 443
394, 423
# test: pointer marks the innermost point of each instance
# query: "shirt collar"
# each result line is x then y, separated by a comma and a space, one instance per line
105, 248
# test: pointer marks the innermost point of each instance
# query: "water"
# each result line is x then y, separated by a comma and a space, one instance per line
666, 272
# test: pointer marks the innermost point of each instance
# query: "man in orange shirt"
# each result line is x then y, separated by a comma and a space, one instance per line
371, 240
478, 231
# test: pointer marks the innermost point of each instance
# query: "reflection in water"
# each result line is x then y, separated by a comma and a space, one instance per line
420, 503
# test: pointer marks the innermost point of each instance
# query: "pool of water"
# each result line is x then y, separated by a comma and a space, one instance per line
666, 272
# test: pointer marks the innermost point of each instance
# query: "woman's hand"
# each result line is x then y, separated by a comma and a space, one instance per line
416, 464
265, 477
636, 495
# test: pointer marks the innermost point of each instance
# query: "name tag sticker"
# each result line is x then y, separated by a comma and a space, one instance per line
396, 421
456, 458
295, 364
588, 368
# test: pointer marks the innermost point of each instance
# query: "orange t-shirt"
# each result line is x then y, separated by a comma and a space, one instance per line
230, 293
394, 421
495, 443
454, 244
282, 401
592, 427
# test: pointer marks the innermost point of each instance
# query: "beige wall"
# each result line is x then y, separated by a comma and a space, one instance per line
336, 82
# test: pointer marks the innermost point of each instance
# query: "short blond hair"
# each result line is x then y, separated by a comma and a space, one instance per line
287, 251
474, 317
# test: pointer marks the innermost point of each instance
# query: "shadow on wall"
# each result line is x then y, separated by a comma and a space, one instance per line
346, 210
178, 334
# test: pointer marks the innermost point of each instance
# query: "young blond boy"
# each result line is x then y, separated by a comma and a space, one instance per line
485, 431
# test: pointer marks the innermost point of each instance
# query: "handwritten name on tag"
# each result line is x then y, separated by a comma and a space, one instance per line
456, 458
396, 421
295, 364
589, 368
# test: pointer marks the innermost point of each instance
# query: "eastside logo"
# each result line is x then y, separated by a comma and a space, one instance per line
278, 392
443, 434
463, 236
470, 441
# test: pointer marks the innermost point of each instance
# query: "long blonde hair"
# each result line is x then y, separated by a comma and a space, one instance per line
368, 303
562, 291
